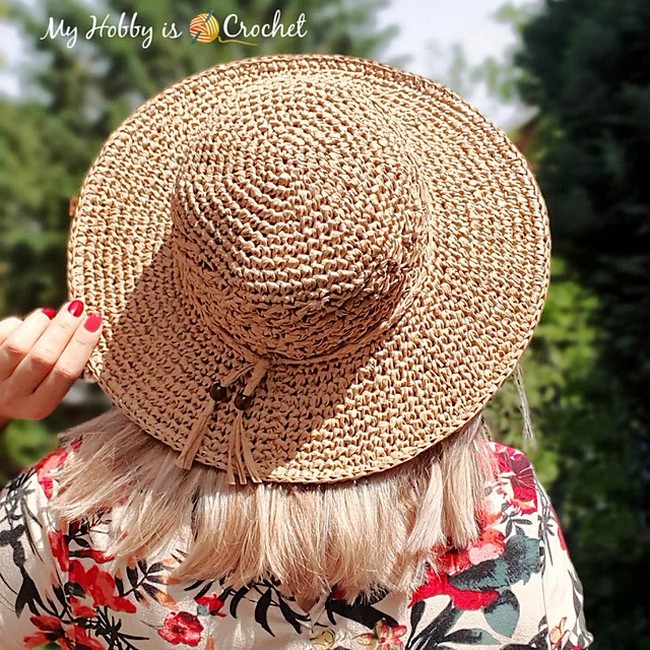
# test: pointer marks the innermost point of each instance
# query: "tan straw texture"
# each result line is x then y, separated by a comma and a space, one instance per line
311, 267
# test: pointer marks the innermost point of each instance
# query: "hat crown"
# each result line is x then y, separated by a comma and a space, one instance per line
299, 220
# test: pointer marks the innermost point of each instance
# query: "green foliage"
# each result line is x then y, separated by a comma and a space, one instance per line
24, 442
494, 74
558, 364
584, 63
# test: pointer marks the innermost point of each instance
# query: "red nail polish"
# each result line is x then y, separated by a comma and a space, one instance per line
93, 322
49, 312
76, 307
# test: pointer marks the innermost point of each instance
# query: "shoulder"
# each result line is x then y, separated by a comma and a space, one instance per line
513, 584
25, 515
526, 500
522, 499
507, 551
31, 548
28, 524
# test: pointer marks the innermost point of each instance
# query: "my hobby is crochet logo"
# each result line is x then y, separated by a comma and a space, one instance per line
203, 28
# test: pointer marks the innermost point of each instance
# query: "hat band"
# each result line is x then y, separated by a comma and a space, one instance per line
239, 448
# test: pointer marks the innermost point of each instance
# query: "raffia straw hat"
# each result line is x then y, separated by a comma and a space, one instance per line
311, 267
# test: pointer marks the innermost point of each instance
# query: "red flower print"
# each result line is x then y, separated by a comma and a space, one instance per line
383, 636
80, 610
437, 584
181, 627
46, 466
49, 463
59, 547
489, 546
97, 556
212, 603
517, 479
81, 641
100, 586
51, 629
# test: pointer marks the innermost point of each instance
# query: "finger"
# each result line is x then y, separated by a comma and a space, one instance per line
20, 341
70, 364
45, 352
7, 326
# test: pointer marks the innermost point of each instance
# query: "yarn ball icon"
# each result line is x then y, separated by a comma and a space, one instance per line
204, 28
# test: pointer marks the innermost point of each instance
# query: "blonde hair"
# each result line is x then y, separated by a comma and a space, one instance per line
377, 532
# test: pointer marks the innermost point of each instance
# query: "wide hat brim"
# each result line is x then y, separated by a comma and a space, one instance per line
347, 417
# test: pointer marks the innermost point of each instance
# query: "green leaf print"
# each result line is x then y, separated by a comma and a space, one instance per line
503, 614
518, 562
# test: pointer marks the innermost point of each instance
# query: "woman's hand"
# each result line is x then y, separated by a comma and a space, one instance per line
41, 357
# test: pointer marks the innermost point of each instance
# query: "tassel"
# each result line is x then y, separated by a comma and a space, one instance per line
240, 449
230, 379
231, 450
193, 441
237, 434
239, 446
249, 461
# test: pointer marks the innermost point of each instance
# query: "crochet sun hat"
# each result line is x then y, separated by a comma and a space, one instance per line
311, 268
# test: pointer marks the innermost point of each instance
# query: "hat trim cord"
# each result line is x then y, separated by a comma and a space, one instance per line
239, 444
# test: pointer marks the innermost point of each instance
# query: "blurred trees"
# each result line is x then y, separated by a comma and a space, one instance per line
74, 97
586, 65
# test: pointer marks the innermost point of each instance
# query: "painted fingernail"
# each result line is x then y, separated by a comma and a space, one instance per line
76, 307
93, 322
49, 312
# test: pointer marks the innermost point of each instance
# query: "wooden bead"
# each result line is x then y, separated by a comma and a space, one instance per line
242, 401
218, 392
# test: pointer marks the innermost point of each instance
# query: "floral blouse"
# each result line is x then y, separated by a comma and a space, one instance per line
515, 588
